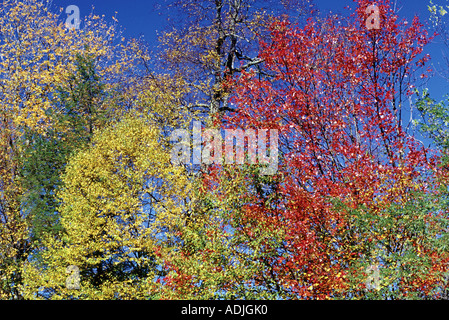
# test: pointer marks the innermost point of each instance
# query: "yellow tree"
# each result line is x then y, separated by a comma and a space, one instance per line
37, 60
122, 204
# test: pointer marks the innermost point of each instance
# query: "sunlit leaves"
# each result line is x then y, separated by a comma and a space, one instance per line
38, 60
122, 202
357, 209
334, 96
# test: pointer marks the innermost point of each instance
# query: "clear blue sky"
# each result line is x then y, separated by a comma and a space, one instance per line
141, 17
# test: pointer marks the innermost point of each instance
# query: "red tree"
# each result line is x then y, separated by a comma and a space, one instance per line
335, 91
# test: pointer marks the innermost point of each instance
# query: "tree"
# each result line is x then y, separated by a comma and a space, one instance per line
38, 60
336, 98
438, 18
45, 155
228, 242
213, 41
121, 204
93, 207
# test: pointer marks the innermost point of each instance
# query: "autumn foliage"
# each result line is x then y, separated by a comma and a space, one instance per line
352, 190
356, 210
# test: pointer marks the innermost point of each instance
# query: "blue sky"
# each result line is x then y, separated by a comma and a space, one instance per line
141, 17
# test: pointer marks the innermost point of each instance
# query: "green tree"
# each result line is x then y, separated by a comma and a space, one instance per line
46, 154
401, 250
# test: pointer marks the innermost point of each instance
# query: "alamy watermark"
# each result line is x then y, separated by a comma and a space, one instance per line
206, 147
373, 279
373, 21
73, 20
72, 282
